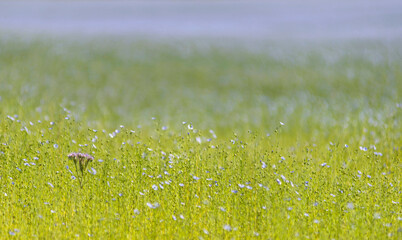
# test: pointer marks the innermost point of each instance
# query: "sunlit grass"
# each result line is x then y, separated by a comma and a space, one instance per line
192, 141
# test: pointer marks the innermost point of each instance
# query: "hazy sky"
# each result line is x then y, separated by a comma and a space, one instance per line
241, 19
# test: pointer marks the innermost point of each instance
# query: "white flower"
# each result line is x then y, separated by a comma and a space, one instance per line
92, 171
227, 227
153, 206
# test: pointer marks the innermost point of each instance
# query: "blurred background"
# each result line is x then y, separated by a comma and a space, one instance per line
275, 19
224, 65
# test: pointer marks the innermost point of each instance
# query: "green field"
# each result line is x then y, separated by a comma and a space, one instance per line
199, 140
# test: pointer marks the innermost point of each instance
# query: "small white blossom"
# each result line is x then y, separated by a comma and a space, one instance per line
350, 205
227, 227
153, 206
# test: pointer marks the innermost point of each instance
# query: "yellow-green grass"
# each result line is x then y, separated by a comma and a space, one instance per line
191, 140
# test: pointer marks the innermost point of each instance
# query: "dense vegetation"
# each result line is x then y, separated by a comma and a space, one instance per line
198, 140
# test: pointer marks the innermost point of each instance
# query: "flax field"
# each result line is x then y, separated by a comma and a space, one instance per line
200, 139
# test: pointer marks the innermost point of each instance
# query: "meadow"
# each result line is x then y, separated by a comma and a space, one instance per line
200, 140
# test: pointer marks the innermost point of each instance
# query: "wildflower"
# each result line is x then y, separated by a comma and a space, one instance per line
82, 158
92, 171
363, 148
81, 161
153, 206
350, 205
227, 227
213, 133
